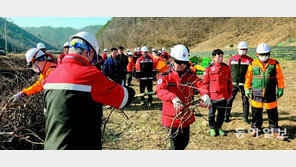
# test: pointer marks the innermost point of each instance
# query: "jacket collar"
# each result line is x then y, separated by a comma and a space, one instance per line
74, 58
243, 56
219, 65
142, 57
47, 66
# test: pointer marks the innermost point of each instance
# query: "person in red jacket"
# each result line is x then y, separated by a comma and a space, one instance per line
130, 67
66, 51
73, 94
218, 85
239, 66
104, 55
145, 73
42, 47
176, 88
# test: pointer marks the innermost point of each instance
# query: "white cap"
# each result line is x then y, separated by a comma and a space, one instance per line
105, 50
33, 53
153, 50
127, 50
180, 52
163, 49
242, 45
67, 44
144, 49
138, 48
262, 48
135, 50
88, 38
41, 46
130, 53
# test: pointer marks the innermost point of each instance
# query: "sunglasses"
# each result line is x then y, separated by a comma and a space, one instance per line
179, 62
264, 54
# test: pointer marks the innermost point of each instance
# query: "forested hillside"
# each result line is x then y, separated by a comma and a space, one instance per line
19, 39
59, 35
199, 33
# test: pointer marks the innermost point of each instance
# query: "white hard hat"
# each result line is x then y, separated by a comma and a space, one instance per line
242, 45
163, 49
144, 49
89, 38
262, 48
180, 52
33, 54
67, 44
153, 50
41, 46
127, 50
105, 50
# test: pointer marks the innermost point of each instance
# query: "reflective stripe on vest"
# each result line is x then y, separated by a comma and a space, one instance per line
67, 86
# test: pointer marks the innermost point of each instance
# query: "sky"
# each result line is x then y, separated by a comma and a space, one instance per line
75, 22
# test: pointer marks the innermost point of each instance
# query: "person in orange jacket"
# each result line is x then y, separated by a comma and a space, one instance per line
264, 76
66, 51
39, 62
130, 67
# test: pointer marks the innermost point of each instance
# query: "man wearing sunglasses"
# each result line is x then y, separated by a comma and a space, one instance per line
73, 95
39, 62
265, 78
176, 88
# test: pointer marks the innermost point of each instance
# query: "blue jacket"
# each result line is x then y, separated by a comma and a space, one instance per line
114, 69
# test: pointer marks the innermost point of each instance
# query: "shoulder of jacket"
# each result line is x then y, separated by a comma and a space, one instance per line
224, 64
273, 61
211, 64
166, 73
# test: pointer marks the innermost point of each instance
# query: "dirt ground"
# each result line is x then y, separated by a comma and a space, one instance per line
143, 129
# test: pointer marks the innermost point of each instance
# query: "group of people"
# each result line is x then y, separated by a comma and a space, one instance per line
260, 80
122, 67
76, 87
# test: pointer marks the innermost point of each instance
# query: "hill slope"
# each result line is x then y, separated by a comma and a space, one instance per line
61, 34
18, 39
199, 33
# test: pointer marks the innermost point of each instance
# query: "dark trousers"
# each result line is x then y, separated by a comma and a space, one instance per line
124, 79
245, 100
180, 140
129, 77
257, 119
220, 106
143, 84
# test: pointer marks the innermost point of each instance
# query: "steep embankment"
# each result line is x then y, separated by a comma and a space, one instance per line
199, 33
